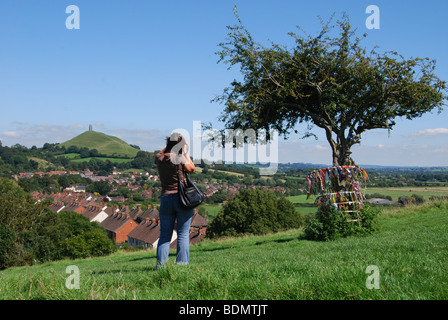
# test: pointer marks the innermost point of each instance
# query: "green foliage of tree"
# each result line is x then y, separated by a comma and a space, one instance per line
328, 80
86, 239
8, 239
137, 196
254, 212
218, 197
101, 187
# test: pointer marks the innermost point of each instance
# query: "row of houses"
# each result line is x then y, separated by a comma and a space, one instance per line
134, 226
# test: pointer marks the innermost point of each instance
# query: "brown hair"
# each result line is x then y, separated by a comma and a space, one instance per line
173, 140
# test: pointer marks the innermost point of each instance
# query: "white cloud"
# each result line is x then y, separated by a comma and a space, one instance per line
432, 132
442, 149
321, 147
303, 151
148, 140
32, 134
11, 134
400, 154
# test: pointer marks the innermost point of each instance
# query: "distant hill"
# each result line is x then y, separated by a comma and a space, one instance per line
108, 145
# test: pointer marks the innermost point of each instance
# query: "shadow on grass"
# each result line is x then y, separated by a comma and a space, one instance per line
144, 258
305, 205
216, 249
279, 240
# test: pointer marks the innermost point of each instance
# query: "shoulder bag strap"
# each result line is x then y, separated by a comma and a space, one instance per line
181, 172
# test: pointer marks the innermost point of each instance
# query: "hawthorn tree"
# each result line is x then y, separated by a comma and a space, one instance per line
329, 81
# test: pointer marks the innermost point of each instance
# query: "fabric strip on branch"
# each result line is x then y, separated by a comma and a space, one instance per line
335, 179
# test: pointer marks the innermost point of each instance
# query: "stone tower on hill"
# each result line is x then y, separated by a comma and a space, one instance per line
90, 127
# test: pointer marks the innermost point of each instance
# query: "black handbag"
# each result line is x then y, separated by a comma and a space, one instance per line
189, 194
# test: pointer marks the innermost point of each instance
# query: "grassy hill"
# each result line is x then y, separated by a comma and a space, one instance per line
410, 251
108, 145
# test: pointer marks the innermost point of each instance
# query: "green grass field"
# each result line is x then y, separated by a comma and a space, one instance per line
212, 210
71, 155
306, 206
396, 192
410, 252
114, 160
303, 205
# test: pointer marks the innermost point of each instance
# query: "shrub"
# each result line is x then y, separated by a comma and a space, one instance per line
89, 244
413, 199
254, 212
438, 198
378, 195
331, 223
87, 238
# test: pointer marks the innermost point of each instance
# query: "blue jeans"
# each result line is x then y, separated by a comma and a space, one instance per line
170, 210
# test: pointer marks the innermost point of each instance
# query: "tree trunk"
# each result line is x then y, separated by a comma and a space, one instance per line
341, 155
340, 148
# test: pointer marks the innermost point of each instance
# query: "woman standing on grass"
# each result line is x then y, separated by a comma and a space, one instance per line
167, 161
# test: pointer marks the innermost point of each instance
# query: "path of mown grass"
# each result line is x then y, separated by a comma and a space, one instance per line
410, 251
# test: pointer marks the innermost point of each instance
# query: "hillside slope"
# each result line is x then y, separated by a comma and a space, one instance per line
108, 145
410, 252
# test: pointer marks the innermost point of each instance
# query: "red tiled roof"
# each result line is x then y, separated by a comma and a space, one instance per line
115, 222
74, 208
147, 231
91, 212
151, 213
198, 220
195, 237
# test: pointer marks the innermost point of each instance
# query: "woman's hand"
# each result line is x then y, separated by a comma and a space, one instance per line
185, 147
189, 165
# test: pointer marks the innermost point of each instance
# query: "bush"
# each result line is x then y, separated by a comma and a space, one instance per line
254, 212
378, 195
87, 239
414, 199
331, 223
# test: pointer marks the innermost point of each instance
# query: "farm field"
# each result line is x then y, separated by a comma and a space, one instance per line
114, 160
410, 252
396, 192
303, 205
212, 210
71, 155
306, 206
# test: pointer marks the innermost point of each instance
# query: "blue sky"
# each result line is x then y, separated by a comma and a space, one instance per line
139, 69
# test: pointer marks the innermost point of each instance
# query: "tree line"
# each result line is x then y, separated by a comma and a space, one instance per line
19, 158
